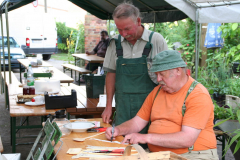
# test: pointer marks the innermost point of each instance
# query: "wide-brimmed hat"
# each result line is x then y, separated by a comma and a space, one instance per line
166, 60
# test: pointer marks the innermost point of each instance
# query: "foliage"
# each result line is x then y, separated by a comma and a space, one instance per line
183, 32
113, 29
233, 86
215, 77
231, 48
70, 38
62, 46
224, 112
62, 30
70, 46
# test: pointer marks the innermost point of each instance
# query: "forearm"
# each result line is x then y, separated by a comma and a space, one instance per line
110, 87
134, 125
183, 139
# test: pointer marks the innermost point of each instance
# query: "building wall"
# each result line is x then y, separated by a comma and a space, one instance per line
93, 26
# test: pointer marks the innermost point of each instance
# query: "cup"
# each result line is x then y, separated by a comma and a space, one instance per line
39, 100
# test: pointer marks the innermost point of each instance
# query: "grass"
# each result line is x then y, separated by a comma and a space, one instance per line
61, 56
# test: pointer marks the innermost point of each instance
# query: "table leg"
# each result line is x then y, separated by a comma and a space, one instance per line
20, 67
13, 137
223, 147
75, 65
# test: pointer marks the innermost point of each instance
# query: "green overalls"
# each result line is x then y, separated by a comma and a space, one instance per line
133, 83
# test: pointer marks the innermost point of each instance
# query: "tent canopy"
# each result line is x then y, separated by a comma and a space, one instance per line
202, 11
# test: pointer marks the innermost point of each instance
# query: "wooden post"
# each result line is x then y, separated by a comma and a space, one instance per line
204, 50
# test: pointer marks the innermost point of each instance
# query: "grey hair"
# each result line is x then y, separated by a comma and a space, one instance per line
125, 10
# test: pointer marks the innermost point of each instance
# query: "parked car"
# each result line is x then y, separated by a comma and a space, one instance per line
16, 52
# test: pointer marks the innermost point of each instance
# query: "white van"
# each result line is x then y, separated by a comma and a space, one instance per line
36, 33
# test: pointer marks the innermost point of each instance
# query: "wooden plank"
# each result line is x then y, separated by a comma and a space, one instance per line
79, 106
21, 110
59, 75
76, 68
1, 145
90, 58
85, 101
26, 62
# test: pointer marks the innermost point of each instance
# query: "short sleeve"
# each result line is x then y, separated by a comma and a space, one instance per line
199, 108
145, 110
109, 64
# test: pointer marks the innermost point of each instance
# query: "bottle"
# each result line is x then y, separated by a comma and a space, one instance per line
30, 79
31, 90
61, 120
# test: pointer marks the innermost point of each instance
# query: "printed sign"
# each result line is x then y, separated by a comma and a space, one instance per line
213, 38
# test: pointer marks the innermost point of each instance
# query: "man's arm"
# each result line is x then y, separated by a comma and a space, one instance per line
89, 53
183, 139
110, 89
134, 125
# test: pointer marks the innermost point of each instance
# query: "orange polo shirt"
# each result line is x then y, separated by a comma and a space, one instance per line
166, 115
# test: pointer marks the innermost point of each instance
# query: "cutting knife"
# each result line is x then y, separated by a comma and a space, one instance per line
113, 127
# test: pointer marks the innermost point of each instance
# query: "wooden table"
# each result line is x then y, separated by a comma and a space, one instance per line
57, 74
1, 145
89, 58
85, 106
69, 143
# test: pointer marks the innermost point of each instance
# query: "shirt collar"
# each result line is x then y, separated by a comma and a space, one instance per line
144, 36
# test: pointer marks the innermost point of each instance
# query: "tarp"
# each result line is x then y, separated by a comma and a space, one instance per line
213, 12
209, 11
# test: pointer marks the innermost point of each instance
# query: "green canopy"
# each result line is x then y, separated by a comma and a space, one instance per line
161, 10
151, 10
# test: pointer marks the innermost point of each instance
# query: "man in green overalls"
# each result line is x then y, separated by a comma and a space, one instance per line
127, 62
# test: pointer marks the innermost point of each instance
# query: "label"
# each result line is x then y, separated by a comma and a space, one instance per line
30, 82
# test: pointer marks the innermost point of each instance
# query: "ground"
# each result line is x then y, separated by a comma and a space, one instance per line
24, 149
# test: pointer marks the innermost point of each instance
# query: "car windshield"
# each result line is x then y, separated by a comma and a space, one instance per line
12, 42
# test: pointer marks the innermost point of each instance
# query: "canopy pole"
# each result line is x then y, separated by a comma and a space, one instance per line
154, 21
7, 29
109, 30
2, 60
199, 39
196, 45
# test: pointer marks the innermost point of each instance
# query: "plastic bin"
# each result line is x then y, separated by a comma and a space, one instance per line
94, 85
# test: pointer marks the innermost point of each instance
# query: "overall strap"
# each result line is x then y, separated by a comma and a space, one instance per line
119, 49
148, 46
153, 102
193, 85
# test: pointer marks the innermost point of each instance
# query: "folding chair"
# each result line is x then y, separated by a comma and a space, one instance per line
52, 133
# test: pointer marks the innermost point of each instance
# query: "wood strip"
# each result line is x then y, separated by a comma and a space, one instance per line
67, 91
76, 68
85, 101
1, 145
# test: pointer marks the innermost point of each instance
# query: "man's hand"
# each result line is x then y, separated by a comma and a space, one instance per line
135, 138
107, 114
88, 53
108, 133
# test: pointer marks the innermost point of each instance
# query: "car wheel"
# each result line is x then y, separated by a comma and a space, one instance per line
46, 57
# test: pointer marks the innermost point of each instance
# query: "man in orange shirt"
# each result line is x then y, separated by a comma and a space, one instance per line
180, 110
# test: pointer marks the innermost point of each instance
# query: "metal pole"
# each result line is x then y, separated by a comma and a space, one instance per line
109, 30
4, 69
196, 45
1, 60
45, 5
7, 29
199, 39
154, 22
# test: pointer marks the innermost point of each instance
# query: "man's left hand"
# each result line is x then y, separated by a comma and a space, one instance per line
135, 138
